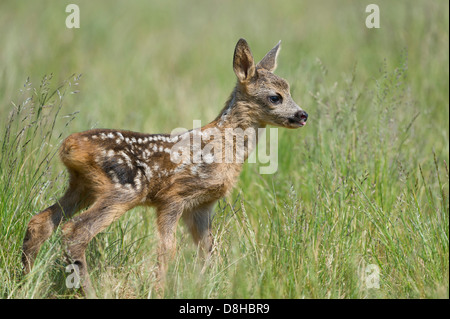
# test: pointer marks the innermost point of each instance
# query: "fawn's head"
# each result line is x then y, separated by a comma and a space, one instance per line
265, 94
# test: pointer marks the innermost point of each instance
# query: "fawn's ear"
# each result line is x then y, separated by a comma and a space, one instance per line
243, 64
269, 62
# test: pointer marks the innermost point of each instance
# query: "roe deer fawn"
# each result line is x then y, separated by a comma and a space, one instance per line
112, 171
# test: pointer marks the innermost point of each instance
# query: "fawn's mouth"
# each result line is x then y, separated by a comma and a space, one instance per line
294, 122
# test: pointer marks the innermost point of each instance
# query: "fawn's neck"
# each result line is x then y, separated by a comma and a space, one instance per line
239, 118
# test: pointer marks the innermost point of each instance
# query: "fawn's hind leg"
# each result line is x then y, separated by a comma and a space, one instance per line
42, 225
79, 231
167, 220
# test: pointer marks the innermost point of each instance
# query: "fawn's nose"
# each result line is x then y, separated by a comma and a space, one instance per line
301, 115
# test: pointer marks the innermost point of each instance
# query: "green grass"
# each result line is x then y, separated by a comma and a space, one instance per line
365, 182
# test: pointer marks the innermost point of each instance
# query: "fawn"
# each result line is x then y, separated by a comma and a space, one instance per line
112, 171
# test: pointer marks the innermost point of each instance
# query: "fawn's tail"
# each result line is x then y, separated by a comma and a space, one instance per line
76, 152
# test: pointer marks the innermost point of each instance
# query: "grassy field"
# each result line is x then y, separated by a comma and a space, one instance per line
363, 186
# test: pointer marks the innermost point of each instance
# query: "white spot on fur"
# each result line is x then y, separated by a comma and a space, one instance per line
180, 168
126, 158
137, 180
194, 170
113, 177
147, 171
163, 172
146, 154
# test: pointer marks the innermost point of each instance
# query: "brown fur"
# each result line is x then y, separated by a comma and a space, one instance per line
113, 171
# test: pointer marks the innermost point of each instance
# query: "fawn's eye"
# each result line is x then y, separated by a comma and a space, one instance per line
275, 99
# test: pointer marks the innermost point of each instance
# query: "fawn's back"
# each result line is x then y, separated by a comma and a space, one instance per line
138, 166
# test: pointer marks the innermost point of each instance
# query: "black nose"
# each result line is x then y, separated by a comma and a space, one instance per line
301, 115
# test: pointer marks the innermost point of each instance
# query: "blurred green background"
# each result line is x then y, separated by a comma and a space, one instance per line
365, 182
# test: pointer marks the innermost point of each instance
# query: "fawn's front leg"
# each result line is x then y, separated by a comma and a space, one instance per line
199, 222
168, 217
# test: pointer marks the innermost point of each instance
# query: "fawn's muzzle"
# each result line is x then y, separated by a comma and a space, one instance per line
299, 118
